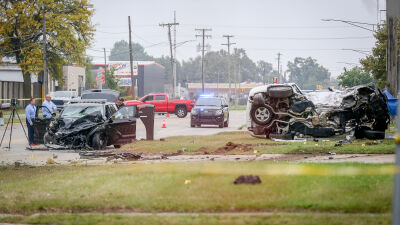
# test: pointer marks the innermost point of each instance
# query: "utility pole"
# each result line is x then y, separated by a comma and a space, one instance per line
172, 56
45, 74
175, 78
105, 68
391, 56
228, 44
204, 36
131, 59
393, 13
279, 64
218, 83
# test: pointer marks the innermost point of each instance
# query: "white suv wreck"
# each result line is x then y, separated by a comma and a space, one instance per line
283, 111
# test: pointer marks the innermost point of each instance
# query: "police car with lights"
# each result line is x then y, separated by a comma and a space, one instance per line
210, 110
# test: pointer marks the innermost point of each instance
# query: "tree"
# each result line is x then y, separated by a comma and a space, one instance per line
264, 70
375, 63
355, 76
88, 73
69, 32
120, 52
111, 82
215, 64
307, 73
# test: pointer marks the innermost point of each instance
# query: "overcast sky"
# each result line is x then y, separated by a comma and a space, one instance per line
262, 27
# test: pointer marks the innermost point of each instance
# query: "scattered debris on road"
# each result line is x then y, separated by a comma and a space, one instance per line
109, 155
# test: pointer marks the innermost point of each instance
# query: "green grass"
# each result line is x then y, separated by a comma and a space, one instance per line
201, 144
161, 187
278, 219
237, 107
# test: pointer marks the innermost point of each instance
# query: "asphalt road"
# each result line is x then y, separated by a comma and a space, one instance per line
181, 126
175, 127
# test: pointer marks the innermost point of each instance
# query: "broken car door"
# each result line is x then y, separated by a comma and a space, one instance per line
121, 128
40, 123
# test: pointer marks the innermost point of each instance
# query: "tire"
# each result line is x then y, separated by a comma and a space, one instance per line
280, 92
47, 139
221, 125
261, 115
192, 124
117, 146
226, 124
99, 141
181, 111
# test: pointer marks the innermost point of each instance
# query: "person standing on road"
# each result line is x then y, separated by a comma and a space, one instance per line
120, 102
30, 112
49, 108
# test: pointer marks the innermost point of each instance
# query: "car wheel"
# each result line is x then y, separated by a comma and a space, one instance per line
226, 124
47, 139
181, 112
192, 124
99, 141
261, 115
117, 146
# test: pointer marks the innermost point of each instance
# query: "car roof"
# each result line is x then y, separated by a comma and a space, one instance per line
101, 91
86, 104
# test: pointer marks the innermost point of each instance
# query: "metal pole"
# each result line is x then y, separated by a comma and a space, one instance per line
202, 63
396, 189
174, 71
105, 67
131, 59
218, 83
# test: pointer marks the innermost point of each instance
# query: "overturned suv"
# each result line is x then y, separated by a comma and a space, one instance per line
282, 111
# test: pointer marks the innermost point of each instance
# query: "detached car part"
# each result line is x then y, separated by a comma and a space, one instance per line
283, 111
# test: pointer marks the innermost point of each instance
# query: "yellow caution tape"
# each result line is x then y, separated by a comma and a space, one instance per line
303, 169
21, 99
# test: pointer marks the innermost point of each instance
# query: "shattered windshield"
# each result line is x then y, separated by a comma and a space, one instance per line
78, 111
208, 102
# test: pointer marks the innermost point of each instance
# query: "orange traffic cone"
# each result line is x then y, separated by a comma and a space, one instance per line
167, 115
164, 125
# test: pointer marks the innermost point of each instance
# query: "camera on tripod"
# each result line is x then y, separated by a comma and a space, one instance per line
14, 101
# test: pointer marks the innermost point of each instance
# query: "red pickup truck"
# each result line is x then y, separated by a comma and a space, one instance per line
163, 105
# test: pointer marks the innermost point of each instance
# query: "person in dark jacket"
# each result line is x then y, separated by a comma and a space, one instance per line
120, 102
30, 112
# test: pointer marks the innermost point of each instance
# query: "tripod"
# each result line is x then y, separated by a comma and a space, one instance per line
12, 115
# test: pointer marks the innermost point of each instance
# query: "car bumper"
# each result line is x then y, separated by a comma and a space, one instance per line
198, 119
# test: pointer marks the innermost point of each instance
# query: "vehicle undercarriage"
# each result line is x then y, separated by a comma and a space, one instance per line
284, 112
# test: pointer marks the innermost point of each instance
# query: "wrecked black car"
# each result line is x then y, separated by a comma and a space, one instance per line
283, 111
90, 124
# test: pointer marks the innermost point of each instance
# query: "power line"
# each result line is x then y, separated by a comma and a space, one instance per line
267, 27
228, 44
172, 56
204, 36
